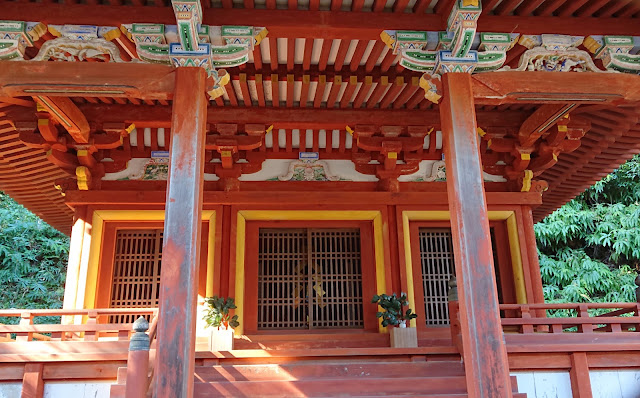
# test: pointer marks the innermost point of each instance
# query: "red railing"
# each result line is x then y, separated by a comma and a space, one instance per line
526, 318
91, 325
594, 327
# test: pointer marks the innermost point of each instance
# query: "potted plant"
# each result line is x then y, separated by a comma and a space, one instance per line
392, 314
221, 322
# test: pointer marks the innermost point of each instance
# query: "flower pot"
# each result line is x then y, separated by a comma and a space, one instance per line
404, 337
221, 340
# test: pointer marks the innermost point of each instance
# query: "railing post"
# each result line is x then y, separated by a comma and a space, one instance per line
454, 314
26, 318
525, 314
138, 360
586, 326
92, 317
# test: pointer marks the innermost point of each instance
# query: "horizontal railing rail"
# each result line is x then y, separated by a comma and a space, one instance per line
78, 325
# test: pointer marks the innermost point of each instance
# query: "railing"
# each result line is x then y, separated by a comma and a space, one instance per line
526, 319
96, 324
604, 327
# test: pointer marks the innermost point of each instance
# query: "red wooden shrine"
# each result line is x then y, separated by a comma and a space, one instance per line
301, 157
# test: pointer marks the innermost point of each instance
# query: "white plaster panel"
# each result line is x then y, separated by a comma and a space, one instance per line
629, 383
10, 390
544, 384
605, 384
615, 384
94, 389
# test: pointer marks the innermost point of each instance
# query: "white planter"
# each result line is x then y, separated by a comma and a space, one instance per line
404, 337
221, 340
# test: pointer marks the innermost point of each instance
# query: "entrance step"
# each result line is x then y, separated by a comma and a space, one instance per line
321, 370
335, 387
397, 375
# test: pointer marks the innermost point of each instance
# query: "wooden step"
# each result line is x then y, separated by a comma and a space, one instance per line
334, 387
317, 370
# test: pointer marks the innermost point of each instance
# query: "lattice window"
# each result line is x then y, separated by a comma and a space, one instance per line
436, 256
294, 295
136, 270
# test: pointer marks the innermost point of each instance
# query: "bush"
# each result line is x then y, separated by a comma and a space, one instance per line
33, 260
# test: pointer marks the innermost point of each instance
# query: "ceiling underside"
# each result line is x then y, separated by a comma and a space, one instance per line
332, 69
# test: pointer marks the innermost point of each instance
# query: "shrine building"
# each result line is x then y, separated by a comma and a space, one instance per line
302, 157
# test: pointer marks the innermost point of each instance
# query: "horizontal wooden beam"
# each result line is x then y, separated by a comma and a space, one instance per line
75, 198
313, 24
281, 118
496, 88
86, 79
156, 82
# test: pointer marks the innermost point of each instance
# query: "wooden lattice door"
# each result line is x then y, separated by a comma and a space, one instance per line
309, 278
437, 267
136, 269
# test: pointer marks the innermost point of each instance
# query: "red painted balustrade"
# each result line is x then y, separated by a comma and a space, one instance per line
87, 325
589, 327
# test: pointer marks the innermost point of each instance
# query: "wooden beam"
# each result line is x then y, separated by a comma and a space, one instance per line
322, 118
175, 356
86, 79
497, 88
67, 114
545, 117
484, 352
314, 24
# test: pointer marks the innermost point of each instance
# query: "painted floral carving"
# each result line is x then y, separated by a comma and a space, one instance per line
309, 171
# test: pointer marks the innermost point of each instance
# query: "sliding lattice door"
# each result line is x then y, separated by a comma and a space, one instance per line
309, 279
437, 262
136, 270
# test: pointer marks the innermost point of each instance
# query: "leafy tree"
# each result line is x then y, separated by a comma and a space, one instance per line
33, 260
590, 248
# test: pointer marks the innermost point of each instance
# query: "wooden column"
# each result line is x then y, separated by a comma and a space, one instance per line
579, 375
32, 383
181, 248
78, 234
532, 252
485, 355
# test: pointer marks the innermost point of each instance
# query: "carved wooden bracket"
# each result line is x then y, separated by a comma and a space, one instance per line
390, 153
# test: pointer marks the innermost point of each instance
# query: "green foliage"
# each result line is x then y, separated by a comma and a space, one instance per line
393, 313
33, 260
590, 248
217, 312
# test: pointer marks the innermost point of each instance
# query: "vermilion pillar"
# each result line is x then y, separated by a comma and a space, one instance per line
175, 355
484, 352
532, 253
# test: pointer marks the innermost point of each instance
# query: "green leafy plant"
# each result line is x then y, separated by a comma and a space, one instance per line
590, 248
33, 261
217, 312
392, 312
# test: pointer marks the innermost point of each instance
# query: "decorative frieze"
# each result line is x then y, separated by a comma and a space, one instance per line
554, 53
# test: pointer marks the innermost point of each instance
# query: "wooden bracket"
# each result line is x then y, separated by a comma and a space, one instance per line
67, 114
